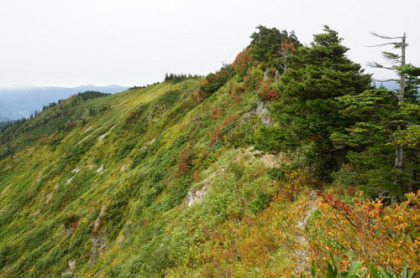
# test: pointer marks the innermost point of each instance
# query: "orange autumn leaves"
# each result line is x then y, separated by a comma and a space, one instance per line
368, 231
240, 65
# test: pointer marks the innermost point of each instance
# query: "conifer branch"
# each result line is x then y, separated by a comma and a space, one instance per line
379, 66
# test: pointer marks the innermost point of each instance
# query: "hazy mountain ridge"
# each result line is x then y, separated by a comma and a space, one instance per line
22, 102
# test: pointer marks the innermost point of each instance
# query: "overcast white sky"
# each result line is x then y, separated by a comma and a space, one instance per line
135, 42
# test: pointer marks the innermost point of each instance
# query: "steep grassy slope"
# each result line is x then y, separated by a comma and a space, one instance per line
105, 187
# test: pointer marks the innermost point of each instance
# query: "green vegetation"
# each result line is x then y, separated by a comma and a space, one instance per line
215, 176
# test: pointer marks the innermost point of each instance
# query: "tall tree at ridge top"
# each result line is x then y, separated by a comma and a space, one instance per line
308, 110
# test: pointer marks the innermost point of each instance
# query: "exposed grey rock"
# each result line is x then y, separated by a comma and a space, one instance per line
98, 245
260, 108
123, 168
98, 240
148, 143
301, 253
196, 195
97, 223
87, 129
247, 115
266, 75
127, 230
105, 135
263, 113
49, 197
100, 169
76, 170
38, 178
266, 119
71, 264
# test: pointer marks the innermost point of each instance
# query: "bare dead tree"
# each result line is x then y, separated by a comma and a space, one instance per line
396, 60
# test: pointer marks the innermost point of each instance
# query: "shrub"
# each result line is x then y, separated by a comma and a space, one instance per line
268, 94
261, 201
276, 174
214, 82
345, 177
366, 230
185, 160
240, 65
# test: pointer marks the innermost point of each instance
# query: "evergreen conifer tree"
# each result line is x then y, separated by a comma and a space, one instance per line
308, 111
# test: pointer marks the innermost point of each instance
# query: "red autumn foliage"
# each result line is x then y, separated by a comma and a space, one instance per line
217, 135
241, 62
70, 125
74, 225
43, 140
216, 113
198, 95
351, 190
270, 95
337, 204
367, 230
236, 93
235, 97
196, 175
185, 160
228, 120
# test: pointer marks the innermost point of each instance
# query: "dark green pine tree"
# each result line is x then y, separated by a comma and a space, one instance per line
308, 111
268, 46
384, 124
371, 139
373, 114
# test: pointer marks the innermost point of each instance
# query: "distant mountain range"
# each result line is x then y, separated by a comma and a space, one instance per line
16, 103
391, 85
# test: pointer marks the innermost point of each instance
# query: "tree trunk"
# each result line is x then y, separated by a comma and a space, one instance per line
402, 75
399, 152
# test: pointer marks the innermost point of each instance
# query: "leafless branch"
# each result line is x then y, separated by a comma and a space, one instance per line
383, 44
378, 66
385, 37
374, 65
